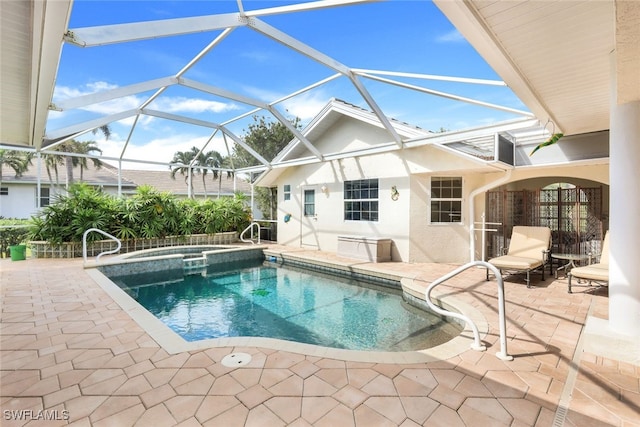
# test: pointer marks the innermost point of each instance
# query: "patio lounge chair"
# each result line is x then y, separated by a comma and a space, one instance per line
598, 272
528, 251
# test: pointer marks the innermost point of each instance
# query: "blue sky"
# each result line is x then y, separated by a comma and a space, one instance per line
398, 36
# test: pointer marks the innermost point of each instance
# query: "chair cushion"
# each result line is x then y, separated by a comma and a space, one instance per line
509, 262
529, 242
592, 272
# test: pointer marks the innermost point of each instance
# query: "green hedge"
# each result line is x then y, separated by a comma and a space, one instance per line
12, 232
149, 213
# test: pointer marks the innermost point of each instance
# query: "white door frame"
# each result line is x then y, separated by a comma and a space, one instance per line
308, 223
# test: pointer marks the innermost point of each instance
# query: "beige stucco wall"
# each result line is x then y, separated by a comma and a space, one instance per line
585, 175
406, 220
322, 231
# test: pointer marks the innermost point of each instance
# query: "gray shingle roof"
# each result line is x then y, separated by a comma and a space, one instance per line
107, 176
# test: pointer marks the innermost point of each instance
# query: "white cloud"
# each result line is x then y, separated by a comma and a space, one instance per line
452, 36
170, 104
306, 106
192, 105
157, 150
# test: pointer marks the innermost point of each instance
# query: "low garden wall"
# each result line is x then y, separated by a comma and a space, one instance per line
41, 249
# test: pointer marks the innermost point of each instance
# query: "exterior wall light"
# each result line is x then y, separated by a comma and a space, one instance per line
394, 193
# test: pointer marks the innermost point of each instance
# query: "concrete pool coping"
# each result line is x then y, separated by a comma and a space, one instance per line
174, 343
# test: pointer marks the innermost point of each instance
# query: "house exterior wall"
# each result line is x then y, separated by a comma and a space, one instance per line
322, 232
405, 220
19, 203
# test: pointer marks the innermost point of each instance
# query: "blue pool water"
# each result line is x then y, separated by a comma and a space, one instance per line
262, 300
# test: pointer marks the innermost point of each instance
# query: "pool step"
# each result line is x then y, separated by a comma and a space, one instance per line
194, 265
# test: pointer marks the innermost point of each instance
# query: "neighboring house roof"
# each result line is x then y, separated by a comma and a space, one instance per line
107, 176
103, 176
162, 181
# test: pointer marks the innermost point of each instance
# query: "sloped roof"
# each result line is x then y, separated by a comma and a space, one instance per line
162, 181
468, 144
107, 176
330, 114
104, 176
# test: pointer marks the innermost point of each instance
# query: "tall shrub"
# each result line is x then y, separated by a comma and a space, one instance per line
67, 218
147, 214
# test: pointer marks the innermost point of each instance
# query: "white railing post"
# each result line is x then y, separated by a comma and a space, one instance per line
484, 230
477, 344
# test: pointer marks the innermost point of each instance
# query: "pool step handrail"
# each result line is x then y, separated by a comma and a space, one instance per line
477, 344
104, 233
250, 228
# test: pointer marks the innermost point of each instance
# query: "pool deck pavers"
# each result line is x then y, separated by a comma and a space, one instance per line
71, 355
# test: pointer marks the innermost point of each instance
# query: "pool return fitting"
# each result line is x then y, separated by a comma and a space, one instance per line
477, 344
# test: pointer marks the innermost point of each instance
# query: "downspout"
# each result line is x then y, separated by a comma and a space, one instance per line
472, 209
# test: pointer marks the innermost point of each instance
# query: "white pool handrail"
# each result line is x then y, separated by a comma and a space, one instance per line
477, 344
104, 233
250, 228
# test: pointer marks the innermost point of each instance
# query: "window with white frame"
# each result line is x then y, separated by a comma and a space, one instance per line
361, 200
446, 199
4, 191
45, 196
286, 192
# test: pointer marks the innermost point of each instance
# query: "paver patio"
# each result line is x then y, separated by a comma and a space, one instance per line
68, 351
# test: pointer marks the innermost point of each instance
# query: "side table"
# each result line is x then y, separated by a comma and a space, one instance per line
571, 260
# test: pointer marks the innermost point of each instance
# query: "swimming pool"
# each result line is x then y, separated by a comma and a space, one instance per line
256, 299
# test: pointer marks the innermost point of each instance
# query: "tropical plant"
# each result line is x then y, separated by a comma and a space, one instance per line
79, 147
148, 214
198, 163
67, 218
88, 147
156, 214
19, 161
181, 163
69, 161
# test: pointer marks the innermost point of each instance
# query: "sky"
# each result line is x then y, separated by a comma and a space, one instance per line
395, 36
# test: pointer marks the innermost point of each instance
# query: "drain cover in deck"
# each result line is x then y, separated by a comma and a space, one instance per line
236, 359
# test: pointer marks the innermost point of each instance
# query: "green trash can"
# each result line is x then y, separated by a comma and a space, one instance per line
18, 252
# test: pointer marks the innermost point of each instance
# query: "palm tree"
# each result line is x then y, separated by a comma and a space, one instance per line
73, 146
16, 160
227, 163
51, 162
87, 147
183, 159
199, 163
212, 159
